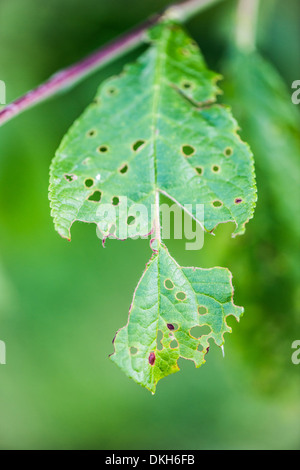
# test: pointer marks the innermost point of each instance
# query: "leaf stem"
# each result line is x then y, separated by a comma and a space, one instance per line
182, 12
120, 46
157, 218
246, 29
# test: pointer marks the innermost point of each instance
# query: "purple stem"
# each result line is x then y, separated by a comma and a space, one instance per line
76, 72
100, 57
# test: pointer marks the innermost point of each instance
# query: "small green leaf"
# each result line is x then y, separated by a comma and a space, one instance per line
155, 128
174, 313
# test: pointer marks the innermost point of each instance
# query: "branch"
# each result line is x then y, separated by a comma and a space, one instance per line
75, 73
182, 12
247, 15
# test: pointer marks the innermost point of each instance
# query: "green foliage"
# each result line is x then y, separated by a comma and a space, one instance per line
156, 129
273, 132
174, 313
270, 122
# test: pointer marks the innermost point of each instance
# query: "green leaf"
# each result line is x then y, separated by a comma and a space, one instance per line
155, 128
169, 307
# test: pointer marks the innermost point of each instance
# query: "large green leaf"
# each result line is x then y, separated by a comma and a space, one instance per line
155, 128
169, 307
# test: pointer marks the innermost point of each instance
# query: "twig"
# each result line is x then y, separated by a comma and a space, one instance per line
75, 73
247, 15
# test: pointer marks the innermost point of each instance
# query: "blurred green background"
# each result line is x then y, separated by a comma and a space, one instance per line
61, 303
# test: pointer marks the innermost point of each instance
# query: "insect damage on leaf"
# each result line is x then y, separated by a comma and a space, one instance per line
166, 324
155, 128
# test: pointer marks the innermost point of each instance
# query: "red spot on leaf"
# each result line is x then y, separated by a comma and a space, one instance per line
151, 358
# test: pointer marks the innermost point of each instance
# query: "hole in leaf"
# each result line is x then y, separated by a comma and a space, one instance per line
159, 340
91, 133
217, 203
228, 151
231, 321
133, 351
169, 284
174, 344
123, 169
187, 150
138, 144
130, 220
89, 183
202, 310
102, 149
198, 331
112, 90
95, 197
171, 326
180, 296
215, 168
187, 85
238, 200
115, 201
199, 170
151, 358
70, 178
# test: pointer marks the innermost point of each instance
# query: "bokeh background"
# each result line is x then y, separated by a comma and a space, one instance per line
61, 303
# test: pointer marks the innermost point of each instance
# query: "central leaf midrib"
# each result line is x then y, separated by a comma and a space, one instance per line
157, 85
